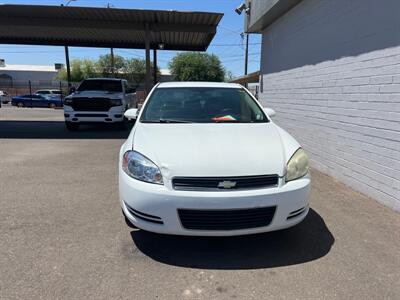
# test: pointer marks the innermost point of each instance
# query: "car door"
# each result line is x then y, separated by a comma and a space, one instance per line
38, 101
43, 100
27, 100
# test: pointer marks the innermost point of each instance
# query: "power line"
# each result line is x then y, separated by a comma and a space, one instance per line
230, 29
227, 45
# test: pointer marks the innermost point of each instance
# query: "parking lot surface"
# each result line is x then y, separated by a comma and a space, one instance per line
63, 237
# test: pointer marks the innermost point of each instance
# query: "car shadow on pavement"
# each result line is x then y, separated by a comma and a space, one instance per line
305, 242
56, 130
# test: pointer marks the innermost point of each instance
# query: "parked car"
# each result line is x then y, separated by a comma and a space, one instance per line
36, 100
48, 92
206, 159
98, 100
5, 98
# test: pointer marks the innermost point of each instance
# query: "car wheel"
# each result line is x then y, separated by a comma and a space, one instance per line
72, 126
52, 105
20, 104
122, 125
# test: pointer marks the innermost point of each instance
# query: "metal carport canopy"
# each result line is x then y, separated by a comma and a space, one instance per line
106, 27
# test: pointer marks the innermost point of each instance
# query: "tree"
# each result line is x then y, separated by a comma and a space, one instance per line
132, 69
195, 66
80, 69
135, 70
104, 66
88, 68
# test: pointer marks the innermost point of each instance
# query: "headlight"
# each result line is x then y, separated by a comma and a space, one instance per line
297, 166
68, 101
139, 167
115, 102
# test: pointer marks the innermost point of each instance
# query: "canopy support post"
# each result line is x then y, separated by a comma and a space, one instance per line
155, 65
68, 67
148, 71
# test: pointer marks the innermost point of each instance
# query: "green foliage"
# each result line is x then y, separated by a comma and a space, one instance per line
88, 68
135, 69
195, 66
132, 69
80, 69
104, 66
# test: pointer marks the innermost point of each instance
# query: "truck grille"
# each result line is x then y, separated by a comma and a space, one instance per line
226, 219
91, 104
224, 183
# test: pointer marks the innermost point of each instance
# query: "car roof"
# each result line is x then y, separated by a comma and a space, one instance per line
47, 90
116, 79
177, 84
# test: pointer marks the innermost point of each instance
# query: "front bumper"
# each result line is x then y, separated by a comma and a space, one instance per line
113, 115
156, 202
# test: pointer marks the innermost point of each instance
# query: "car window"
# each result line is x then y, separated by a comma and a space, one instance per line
100, 85
125, 86
202, 105
57, 92
43, 92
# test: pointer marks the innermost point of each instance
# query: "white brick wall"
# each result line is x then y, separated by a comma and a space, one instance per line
331, 70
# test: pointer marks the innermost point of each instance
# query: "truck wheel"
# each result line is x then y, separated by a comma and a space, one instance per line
52, 105
124, 124
20, 104
72, 126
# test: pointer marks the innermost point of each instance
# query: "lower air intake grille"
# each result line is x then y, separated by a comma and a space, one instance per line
226, 219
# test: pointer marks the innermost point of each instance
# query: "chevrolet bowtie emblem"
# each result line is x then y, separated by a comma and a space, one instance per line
226, 184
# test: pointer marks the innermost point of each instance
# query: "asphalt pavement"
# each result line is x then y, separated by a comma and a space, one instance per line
62, 235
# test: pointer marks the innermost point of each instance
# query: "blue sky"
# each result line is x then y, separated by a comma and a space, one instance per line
228, 32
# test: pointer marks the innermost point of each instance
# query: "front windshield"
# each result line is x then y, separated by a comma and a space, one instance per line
101, 85
202, 105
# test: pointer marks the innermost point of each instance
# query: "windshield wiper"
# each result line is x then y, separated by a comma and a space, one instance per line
173, 121
227, 121
165, 121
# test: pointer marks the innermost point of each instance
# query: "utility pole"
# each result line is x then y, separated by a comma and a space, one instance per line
245, 7
155, 66
246, 57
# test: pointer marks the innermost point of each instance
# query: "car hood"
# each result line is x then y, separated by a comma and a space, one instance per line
96, 94
213, 149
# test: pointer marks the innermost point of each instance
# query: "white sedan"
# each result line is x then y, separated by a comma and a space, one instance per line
205, 159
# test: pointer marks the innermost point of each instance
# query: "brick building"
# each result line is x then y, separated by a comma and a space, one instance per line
331, 70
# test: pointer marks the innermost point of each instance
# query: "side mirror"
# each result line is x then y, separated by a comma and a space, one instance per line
269, 111
72, 89
131, 114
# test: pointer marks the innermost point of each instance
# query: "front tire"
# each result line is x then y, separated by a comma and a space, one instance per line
52, 105
20, 104
71, 126
124, 124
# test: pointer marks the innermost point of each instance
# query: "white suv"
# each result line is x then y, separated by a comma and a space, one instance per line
49, 92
